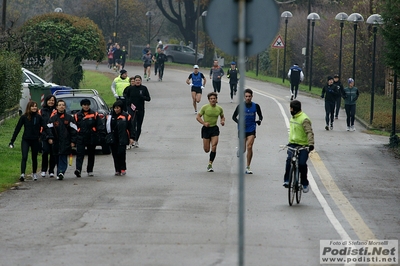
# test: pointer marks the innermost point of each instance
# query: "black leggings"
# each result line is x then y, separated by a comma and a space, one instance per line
34, 145
350, 113
48, 163
216, 86
233, 87
160, 71
138, 117
329, 112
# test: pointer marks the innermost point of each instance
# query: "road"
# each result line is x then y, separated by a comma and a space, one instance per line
168, 210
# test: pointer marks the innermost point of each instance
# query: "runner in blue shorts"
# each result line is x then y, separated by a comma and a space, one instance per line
197, 85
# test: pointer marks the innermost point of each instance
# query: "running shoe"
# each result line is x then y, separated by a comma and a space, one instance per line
145, 76
348, 128
22, 178
209, 168
90, 174
43, 174
352, 128
248, 171
327, 127
60, 176
117, 173
34, 177
123, 172
51, 175
136, 144
286, 184
306, 189
77, 173
291, 98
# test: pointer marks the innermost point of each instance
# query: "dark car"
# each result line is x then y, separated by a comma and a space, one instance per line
73, 99
182, 54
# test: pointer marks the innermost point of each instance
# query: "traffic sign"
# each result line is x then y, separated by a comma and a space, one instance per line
278, 43
261, 18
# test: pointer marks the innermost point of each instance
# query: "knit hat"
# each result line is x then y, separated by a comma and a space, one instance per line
350, 80
329, 78
123, 71
85, 102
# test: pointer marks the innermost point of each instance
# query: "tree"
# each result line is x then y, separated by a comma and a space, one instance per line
184, 15
391, 33
61, 36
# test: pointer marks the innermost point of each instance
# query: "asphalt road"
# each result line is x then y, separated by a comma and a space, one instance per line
168, 210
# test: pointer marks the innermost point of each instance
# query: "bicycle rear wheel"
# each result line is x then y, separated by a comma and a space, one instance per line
299, 190
291, 188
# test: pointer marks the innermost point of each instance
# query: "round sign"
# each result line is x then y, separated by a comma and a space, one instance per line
262, 22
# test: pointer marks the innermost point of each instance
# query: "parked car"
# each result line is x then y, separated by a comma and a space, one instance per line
32, 81
182, 54
73, 99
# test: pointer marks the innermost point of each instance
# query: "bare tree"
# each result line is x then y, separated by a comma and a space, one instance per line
184, 14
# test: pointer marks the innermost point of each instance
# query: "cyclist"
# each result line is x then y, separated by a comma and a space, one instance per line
301, 134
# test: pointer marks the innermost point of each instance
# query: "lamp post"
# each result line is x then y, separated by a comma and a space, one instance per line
197, 31
342, 17
312, 17
149, 14
286, 15
116, 20
204, 15
355, 18
375, 20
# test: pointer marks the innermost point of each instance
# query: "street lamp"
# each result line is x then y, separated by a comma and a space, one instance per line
375, 20
342, 17
355, 18
204, 15
149, 14
286, 15
312, 17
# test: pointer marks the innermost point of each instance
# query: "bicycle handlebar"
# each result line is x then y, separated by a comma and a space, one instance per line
298, 148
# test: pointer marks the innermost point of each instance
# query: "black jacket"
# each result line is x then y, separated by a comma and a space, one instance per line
32, 127
91, 130
137, 95
121, 127
330, 93
45, 112
340, 88
61, 128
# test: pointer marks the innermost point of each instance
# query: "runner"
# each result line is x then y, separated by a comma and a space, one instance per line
210, 130
251, 109
196, 86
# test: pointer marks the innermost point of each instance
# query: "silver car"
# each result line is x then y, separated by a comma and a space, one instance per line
182, 54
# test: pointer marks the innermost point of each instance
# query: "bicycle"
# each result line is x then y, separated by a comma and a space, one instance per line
294, 186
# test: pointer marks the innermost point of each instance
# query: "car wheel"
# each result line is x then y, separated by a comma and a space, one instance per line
105, 149
170, 59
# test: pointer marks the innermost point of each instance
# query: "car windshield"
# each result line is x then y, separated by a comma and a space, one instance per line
31, 78
74, 104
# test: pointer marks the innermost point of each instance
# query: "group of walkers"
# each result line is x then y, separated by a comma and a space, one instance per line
116, 56
333, 92
55, 133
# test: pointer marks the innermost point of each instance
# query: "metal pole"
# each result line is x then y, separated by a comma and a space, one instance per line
242, 69
148, 34
371, 117
340, 48
284, 53
308, 41
197, 31
116, 21
312, 51
354, 52
394, 106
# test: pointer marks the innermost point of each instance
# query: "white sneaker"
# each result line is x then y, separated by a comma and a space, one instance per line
248, 171
352, 128
136, 144
128, 147
306, 189
51, 175
90, 174
34, 177
43, 174
348, 128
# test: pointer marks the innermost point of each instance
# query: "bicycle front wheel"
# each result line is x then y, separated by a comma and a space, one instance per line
292, 188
